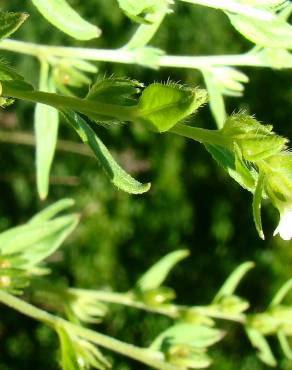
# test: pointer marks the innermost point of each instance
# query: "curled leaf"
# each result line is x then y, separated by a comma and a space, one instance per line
116, 174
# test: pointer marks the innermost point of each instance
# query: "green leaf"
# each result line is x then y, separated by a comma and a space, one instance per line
264, 350
36, 241
280, 295
271, 33
216, 100
137, 10
64, 17
256, 205
233, 163
284, 344
156, 275
49, 212
229, 286
197, 336
10, 22
69, 357
7, 73
116, 174
46, 123
162, 106
256, 141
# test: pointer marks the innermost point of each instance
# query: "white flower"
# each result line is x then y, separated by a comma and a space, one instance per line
284, 228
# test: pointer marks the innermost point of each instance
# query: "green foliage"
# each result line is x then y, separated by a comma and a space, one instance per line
65, 18
174, 212
10, 22
116, 174
162, 106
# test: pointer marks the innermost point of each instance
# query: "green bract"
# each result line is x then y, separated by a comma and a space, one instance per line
163, 106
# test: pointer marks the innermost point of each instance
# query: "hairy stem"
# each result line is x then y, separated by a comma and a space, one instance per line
80, 105
201, 135
127, 56
170, 310
150, 358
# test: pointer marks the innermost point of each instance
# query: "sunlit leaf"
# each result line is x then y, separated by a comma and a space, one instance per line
162, 106
156, 275
64, 17
116, 174
281, 294
46, 122
51, 211
272, 33
231, 283
264, 350
197, 336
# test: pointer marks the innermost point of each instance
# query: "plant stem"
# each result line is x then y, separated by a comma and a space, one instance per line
170, 310
201, 135
127, 299
73, 103
150, 358
129, 56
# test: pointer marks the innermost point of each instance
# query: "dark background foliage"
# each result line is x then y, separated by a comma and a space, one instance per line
192, 203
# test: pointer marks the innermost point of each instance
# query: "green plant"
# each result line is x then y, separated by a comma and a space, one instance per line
249, 151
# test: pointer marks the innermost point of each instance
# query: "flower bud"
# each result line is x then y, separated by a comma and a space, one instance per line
255, 140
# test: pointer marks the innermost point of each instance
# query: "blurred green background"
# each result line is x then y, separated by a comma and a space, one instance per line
192, 203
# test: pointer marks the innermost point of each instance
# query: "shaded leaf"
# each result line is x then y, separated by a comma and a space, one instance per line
10, 22
120, 91
51, 211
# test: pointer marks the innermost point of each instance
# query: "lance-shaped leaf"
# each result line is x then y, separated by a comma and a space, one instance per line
51, 211
40, 237
79, 354
156, 275
163, 106
229, 286
64, 17
116, 174
10, 22
35, 242
281, 294
137, 10
46, 122
261, 344
197, 336
271, 33
284, 344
